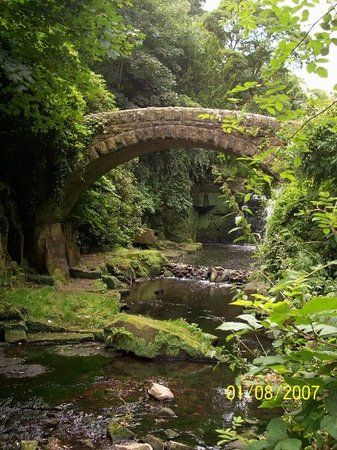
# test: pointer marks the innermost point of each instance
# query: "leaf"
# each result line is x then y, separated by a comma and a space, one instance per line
257, 445
289, 444
281, 312
307, 355
331, 404
288, 174
251, 320
276, 431
269, 360
322, 72
305, 15
233, 326
311, 67
329, 424
319, 304
247, 197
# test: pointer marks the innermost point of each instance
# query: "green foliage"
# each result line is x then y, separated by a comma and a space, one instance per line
293, 241
231, 434
110, 212
165, 182
47, 50
289, 43
319, 159
303, 353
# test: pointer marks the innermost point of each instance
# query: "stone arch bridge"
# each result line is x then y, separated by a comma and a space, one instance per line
127, 134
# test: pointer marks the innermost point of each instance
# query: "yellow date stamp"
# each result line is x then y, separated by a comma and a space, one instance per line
262, 392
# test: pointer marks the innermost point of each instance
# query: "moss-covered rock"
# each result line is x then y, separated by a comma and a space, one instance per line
59, 338
117, 432
40, 279
41, 326
8, 312
135, 263
154, 441
172, 445
111, 282
28, 445
151, 338
15, 335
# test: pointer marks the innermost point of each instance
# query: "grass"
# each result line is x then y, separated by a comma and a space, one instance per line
68, 309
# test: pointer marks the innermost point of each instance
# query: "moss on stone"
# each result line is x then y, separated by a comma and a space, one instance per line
60, 338
133, 263
14, 335
150, 338
118, 432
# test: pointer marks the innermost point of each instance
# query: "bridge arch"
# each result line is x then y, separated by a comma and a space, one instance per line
127, 134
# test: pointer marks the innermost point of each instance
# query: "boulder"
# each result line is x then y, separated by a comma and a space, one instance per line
10, 313
160, 392
255, 287
15, 335
150, 338
154, 442
91, 274
40, 279
117, 432
166, 412
171, 434
213, 275
86, 444
168, 274
111, 282
133, 446
145, 237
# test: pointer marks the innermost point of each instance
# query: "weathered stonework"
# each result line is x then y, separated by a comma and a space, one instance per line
131, 133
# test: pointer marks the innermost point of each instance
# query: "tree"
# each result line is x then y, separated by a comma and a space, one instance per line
46, 54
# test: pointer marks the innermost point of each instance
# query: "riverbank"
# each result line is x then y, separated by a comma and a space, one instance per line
88, 309
87, 362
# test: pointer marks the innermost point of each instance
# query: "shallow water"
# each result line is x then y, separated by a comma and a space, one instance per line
229, 256
201, 302
78, 395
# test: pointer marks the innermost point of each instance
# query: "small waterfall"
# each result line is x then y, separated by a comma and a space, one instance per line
257, 205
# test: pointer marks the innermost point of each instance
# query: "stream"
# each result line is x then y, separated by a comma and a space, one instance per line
85, 386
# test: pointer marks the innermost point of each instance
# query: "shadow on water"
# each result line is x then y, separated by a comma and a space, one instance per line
78, 395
